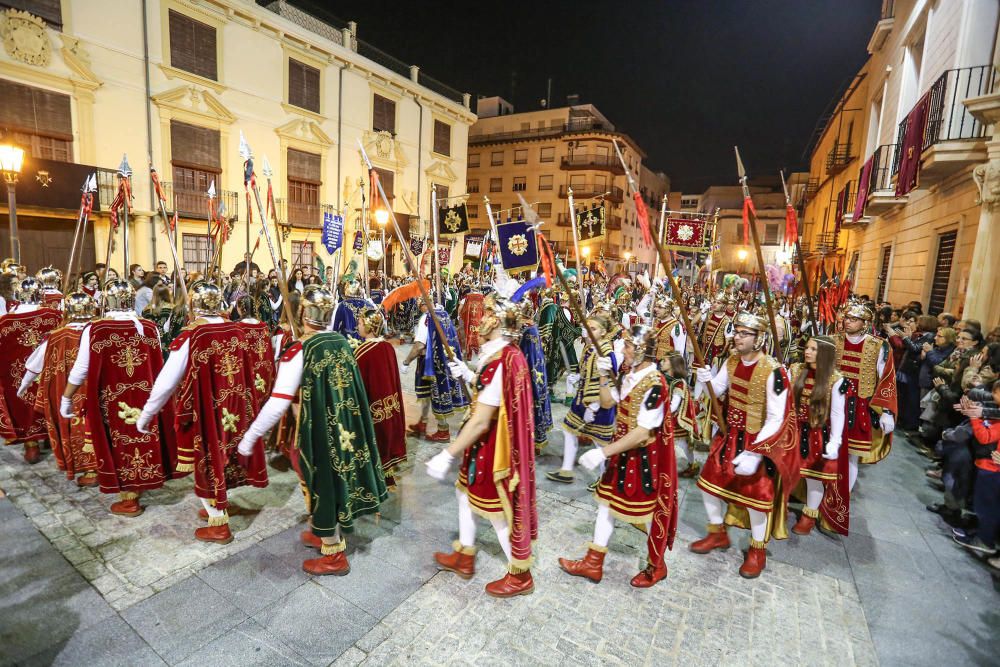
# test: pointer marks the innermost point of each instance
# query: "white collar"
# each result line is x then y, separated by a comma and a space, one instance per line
856, 338
635, 376
489, 348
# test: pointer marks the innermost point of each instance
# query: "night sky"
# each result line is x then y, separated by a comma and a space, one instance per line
686, 78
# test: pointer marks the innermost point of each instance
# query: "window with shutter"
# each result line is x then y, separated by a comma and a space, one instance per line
195, 160
192, 46
49, 11
442, 138
383, 114
545, 210
547, 154
302, 256
520, 183
388, 181
303, 86
197, 251
473, 186
304, 180
545, 182
473, 159
883, 273
472, 210
496, 184
942, 273
40, 121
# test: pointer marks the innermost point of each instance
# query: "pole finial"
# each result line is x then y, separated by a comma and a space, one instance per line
266, 168
211, 189
245, 151
124, 170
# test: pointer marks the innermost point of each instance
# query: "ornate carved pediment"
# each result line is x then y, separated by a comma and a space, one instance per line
987, 178
384, 150
25, 39
77, 59
441, 172
191, 100
304, 130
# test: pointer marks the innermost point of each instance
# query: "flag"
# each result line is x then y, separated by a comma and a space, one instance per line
864, 186
473, 246
686, 234
358, 243
643, 217
444, 255
333, 232
517, 245
747, 210
913, 141
417, 245
591, 223
791, 226
453, 220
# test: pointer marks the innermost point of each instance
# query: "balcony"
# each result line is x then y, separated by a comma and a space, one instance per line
883, 27
589, 161
577, 126
304, 216
594, 190
849, 196
826, 243
838, 158
882, 192
952, 138
812, 187
193, 205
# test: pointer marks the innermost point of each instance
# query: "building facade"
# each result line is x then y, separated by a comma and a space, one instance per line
545, 154
176, 83
924, 102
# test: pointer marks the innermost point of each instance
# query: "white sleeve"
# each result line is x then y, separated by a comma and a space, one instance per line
720, 382
420, 335
837, 402
650, 418
625, 320
492, 394
36, 360
166, 382
286, 384
675, 400
883, 357
78, 374
276, 344
679, 339
3, 306
775, 410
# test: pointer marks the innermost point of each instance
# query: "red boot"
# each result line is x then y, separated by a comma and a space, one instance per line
591, 566
311, 540
220, 534
335, 564
510, 585
805, 524
461, 561
716, 539
32, 453
417, 429
128, 507
87, 479
650, 576
755, 561
438, 436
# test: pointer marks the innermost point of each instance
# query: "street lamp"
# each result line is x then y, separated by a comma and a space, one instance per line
381, 216
11, 158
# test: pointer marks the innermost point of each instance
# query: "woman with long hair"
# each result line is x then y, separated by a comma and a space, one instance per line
819, 394
297, 283
161, 311
675, 370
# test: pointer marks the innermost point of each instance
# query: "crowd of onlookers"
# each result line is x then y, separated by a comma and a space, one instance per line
948, 383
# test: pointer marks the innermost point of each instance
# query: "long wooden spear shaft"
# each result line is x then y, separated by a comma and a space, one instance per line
801, 261
760, 254
699, 357
411, 264
171, 238
86, 201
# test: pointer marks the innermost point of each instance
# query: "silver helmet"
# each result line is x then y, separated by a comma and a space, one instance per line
503, 313
119, 295
205, 298
29, 291
644, 340
50, 277
80, 307
317, 305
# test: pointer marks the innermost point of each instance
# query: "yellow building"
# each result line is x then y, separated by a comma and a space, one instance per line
936, 243
176, 82
545, 154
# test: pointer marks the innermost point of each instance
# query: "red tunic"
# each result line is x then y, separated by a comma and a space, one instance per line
228, 377
713, 337
869, 392
123, 366
71, 441
380, 373
20, 334
471, 314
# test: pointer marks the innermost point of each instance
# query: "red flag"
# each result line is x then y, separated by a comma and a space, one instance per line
156, 184
173, 223
643, 217
548, 262
373, 182
791, 226
747, 208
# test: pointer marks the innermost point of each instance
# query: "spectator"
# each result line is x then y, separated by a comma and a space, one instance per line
144, 295
136, 274
161, 268
297, 282
986, 497
947, 320
921, 333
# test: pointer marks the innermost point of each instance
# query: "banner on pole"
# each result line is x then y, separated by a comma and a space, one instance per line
590, 223
333, 232
687, 234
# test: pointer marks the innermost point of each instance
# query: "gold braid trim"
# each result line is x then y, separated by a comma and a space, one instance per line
810, 512
519, 565
459, 548
716, 527
331, 549
128, 495
754, 544
185, 467
219, 520
594, 547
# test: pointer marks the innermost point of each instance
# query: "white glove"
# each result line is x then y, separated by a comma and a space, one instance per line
438, 466
887, 423
747, 463
588, 416
25, 383
66, 408
142, 423
704, 374
460, 370
604, 365
405, 368
572, 379
245, 445
831, 451
592, 459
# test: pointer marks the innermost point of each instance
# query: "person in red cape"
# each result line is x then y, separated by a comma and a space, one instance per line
819, 392
21, 331
754, 465
639, 484
51, 362
496, 477
380, 373
51, 278
715, 330
118, 359
866, 361
221, 373
470, 312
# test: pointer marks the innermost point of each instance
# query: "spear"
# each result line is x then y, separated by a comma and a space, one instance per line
125, 174
664, 256
250, 182
168, 229
798, 252
86, 204
122, 200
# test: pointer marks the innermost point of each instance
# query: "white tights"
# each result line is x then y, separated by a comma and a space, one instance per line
605, 525
682, 445
715, 507
852, 467
571, 445
467, 525
814, 493
425, 410
210, 508
336, 539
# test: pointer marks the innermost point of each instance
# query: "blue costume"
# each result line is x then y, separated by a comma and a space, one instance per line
588, 392
433, 379
345, 318
531, 346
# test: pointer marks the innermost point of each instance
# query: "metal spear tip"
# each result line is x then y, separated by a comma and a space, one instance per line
266, 168
245, 152
739, 163
124, 170
90, 183
211, 189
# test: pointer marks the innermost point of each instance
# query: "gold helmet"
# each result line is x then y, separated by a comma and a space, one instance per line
80, 307
49, 277
644, 340
205, 299
859, 311
29, 291
750, 320
527, 310
663, 302
353, 289
119, 295
316, 306
9, 266
374, 320
503, 313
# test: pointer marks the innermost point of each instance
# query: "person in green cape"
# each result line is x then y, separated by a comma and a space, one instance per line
334, 452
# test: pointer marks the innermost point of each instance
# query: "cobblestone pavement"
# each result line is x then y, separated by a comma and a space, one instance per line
79, 586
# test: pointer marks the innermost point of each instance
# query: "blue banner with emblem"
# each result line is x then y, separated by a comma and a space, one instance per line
333, 232
517, 245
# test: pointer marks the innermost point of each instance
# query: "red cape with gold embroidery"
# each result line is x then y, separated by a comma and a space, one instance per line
471, 314
20, 334
380, 373
123, 366
228, 377
782, 447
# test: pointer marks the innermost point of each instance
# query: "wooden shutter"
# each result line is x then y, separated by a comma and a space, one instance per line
195, 147
388, 181
442, 138
304, 166
303, 85
35, 111
192, 46
883, 273
942, 273
383, 114
49, 11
